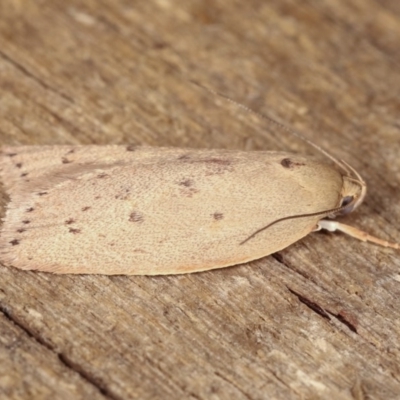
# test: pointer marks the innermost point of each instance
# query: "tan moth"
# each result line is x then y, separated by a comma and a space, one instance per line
142, 210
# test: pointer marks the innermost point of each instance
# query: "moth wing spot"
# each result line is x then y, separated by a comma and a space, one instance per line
140, 251
184, 157
288, 163
218, 216
186, 183
218, 161
74, 231
14, 242
131, 147
136, 217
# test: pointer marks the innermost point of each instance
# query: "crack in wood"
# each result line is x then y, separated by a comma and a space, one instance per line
35, 78
64, 360
87, 377
341, 318
311, 304
322, 312
278, 257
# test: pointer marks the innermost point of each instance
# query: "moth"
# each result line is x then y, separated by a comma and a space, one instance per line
152, 211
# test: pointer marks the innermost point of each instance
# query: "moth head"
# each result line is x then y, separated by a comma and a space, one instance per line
353, 191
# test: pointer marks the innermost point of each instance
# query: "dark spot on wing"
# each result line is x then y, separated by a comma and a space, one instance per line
69, 221
218, 216
65, 160
124, 194
18, 165
131, 147
212, 165
11, 154
187, 188
14, 242
26, 221
141, 251
30, 209
102, 175
217, 166
21, 230
42, 193
186, 183
211, 160
218, 161
288, 163
85, 208
74, 231
70, 151
24, 174
136, 217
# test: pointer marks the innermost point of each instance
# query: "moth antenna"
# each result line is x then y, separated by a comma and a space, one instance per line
358, 180
346, 167
353, 203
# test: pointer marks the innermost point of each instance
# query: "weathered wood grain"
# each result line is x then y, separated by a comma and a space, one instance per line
319, 320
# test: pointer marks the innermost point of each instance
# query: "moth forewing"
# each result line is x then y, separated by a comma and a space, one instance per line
153, 211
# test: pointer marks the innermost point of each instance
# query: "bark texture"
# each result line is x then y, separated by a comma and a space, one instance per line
318, 320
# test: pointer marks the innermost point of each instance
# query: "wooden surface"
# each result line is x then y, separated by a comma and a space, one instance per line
319, 320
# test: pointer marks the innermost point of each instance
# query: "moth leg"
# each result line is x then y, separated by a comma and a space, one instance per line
333, 226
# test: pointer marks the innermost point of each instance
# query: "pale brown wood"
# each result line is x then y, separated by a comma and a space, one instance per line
318, 320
